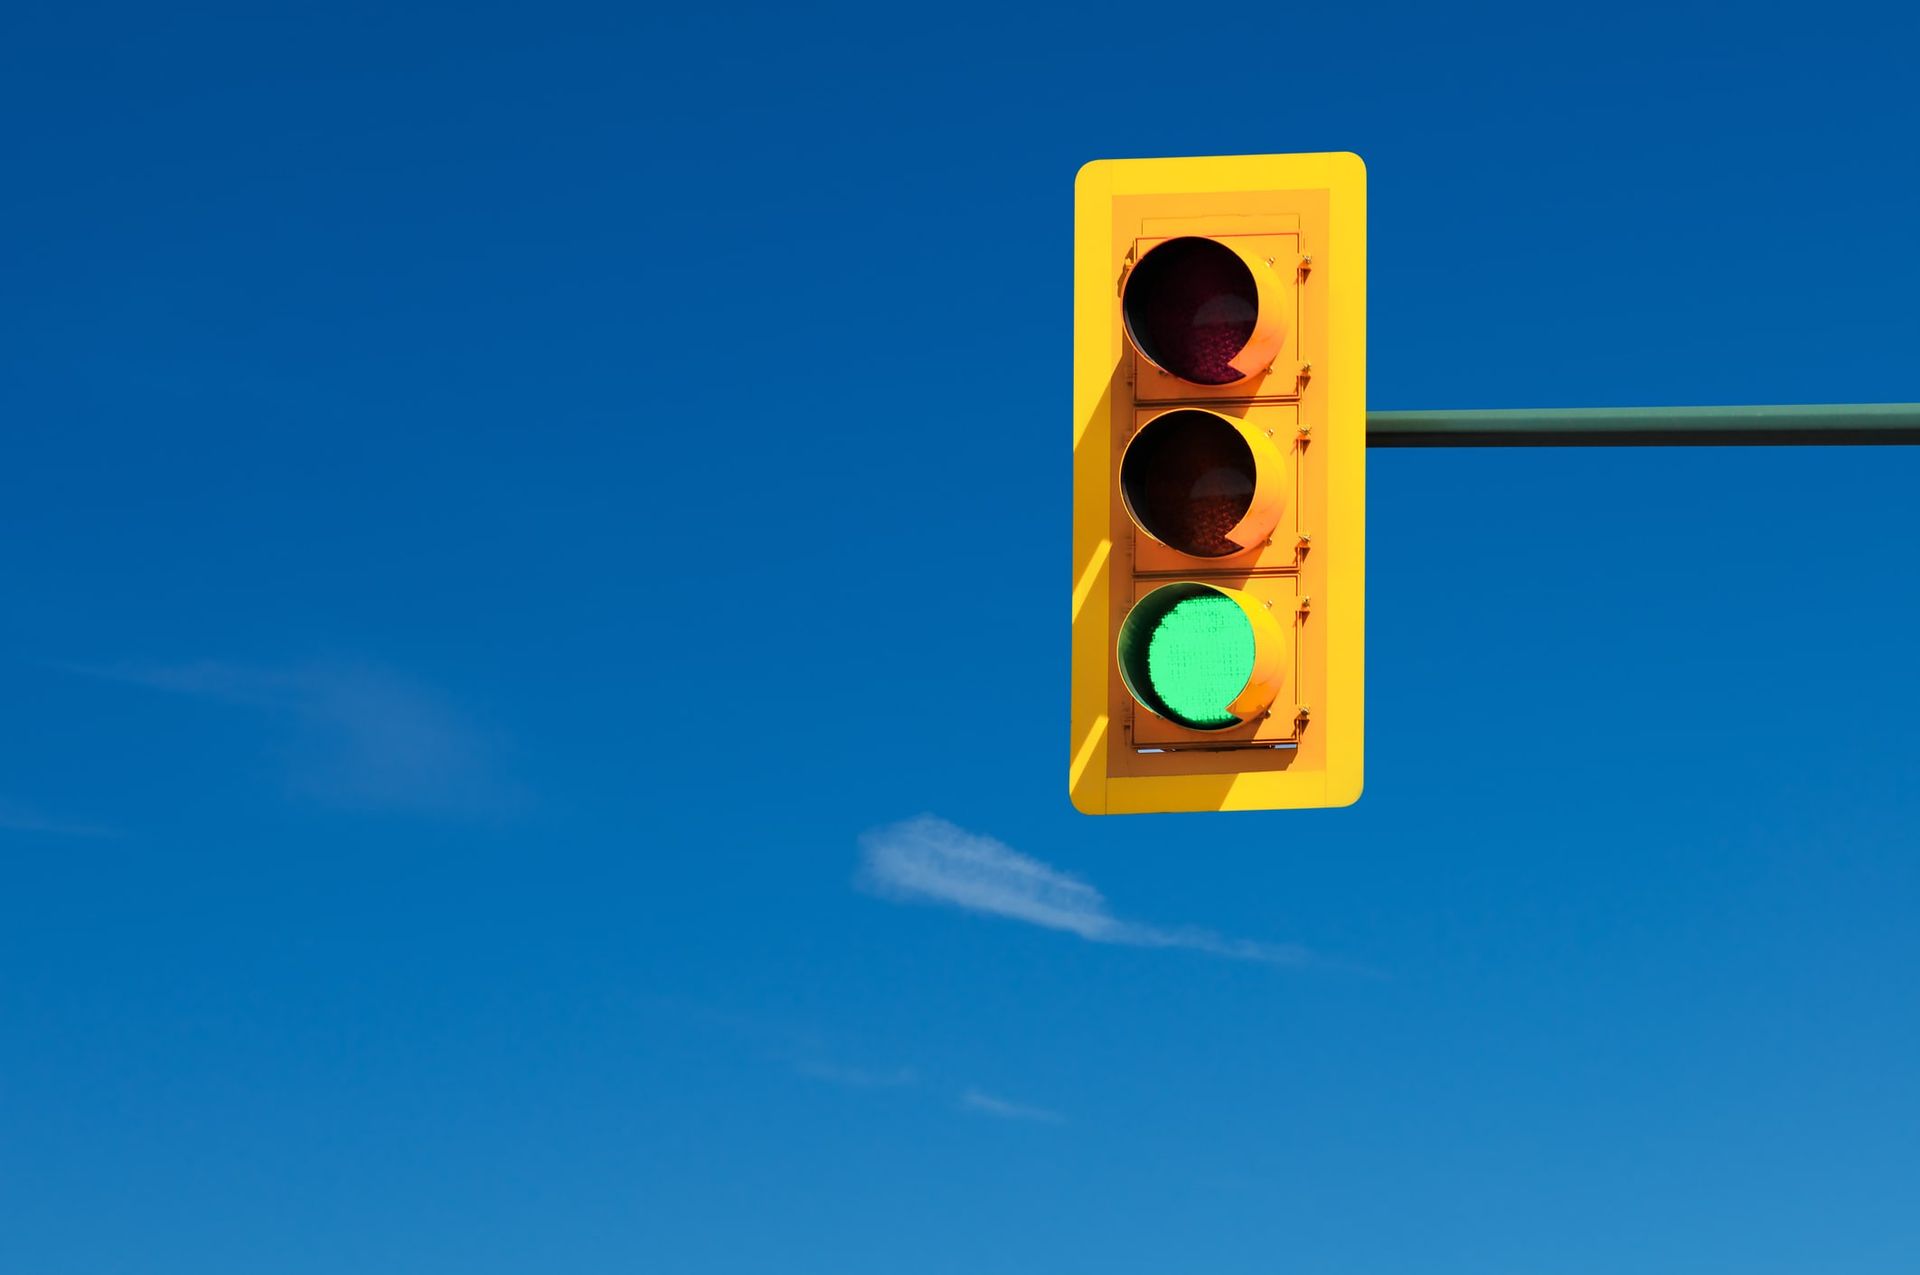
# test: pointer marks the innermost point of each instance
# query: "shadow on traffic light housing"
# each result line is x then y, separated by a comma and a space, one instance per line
1219, 483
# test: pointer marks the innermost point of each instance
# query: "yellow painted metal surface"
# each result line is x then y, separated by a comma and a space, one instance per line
1269, 657
1306, 215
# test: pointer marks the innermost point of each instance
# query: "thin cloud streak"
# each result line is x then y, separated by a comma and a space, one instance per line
986, 1103
359, 735
809, 1054
928, 860
17, 818
857, 1077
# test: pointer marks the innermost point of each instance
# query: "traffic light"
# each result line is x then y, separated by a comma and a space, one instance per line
1219, 483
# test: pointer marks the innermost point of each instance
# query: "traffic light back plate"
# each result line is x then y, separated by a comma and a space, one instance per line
1304, 216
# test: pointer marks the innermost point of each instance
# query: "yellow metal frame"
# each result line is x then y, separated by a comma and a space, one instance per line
1118, 205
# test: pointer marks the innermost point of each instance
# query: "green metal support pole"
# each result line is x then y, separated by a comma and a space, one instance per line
1649, 426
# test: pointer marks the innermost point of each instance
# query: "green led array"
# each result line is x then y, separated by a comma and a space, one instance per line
1199, 658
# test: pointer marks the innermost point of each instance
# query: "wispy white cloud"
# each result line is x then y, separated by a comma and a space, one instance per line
18, 818
978, 1100
928, 860
357, 734
856, 1077
808, 1053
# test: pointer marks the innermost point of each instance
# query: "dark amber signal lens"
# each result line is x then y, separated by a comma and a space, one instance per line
1188, 479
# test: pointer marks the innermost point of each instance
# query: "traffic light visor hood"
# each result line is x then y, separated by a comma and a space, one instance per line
1206, 484
1203, 310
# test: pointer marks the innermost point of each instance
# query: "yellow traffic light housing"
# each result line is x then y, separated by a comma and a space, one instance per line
1219, 491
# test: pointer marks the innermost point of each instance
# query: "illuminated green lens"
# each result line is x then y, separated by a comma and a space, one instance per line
1199, 657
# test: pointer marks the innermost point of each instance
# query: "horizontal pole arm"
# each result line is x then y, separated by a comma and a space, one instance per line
1649, 426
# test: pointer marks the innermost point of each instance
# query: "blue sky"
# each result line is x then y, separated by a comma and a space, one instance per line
537, 566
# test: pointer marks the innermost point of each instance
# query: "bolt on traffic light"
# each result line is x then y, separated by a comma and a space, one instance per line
1219, 483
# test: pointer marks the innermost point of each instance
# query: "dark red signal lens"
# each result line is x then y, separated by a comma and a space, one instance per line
1190, 306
